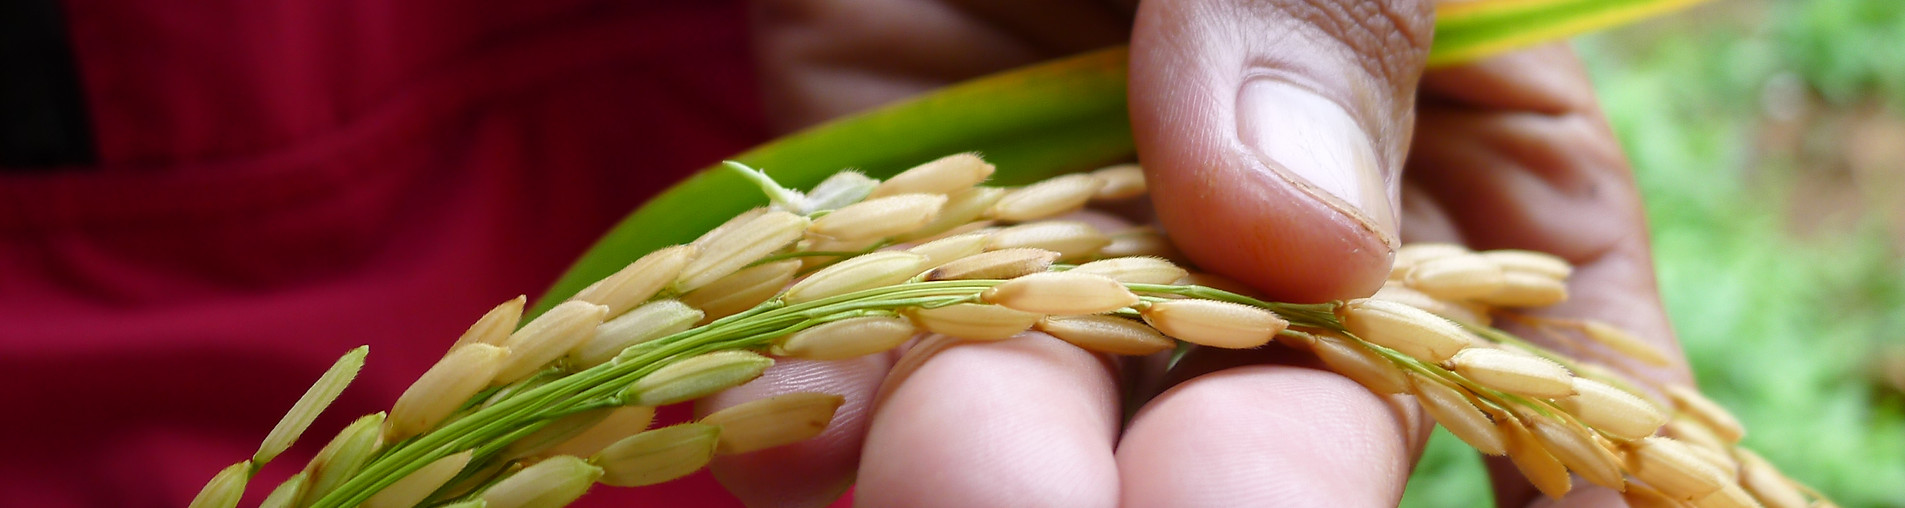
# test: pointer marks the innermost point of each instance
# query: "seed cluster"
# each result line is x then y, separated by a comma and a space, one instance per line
532, 414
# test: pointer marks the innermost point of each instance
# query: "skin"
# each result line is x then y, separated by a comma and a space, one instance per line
1511, 152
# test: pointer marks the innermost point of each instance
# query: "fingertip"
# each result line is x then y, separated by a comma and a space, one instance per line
1249, 226
818, 470
1266, 435
1272, 142
1030, 419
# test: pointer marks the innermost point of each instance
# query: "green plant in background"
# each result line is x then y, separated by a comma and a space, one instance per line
1758, 266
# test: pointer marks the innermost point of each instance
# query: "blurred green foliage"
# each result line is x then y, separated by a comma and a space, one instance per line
1784, 297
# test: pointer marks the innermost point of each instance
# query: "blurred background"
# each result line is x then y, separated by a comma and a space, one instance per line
1769, 139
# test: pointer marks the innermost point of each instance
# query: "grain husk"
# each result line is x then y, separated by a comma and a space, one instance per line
773, 421
1406, 329
1072, 240
973, 321
944, 175
846, 338
1060, 293
866, 271
1050, 197
658, 455
1513, 372
1106, 334
638, 281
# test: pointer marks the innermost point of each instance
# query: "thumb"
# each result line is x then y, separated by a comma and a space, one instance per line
1273, 134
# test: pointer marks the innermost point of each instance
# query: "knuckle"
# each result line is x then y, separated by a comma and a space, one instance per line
1391, 38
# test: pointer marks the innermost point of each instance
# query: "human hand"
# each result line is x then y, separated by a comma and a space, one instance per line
1292, 121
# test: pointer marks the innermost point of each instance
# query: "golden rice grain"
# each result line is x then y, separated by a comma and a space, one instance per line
1612, 410
1718, 459
226, 487
846, 338
443, 388
1684, 428
1625, 343
1718, 419
736, 248
414, 487
1052, 196
1135, 270
1106, 334
949, 249
960, 210
1061, 293
696, 377
495, 325
1072, 240
879, 218
742, 290
773, 421
972, 321
944, 175
1214, 323
1123, 181
1530, 262
638, 281
658, 455
813, 246
727, 228
1456, 277
1578, 449
551, 483
1449, 310
998, 264
1535, 463
1409, 330
1452, 408
1673, 468
1513, 372
1730, 495
1140, 241
648, 322
843, 188
1642, 496
1414, 254
547, 338
621, 422
1766, 483
1521, 289
865, 271
1360, 364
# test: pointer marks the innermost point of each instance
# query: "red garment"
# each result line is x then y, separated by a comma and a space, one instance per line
281, 181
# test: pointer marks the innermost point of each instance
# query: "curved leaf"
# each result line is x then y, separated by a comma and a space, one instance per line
1038, 121
1470, 30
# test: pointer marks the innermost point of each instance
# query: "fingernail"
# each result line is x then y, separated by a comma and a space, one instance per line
1314, 144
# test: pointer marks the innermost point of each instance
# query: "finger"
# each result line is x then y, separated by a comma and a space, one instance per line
1269, 435
1026, 421
1289, 119
1514, 153
817, 471
1544, 175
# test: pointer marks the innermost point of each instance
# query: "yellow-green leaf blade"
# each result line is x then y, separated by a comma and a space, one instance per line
1471, 30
